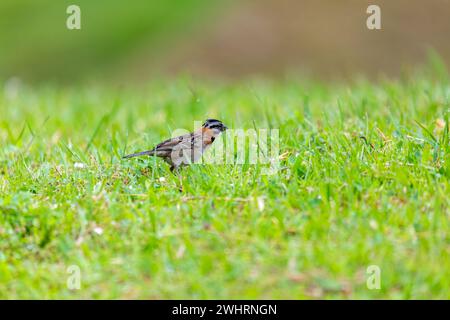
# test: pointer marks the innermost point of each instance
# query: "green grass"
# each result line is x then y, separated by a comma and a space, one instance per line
365, 181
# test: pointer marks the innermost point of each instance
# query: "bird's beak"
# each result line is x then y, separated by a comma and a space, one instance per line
225, 128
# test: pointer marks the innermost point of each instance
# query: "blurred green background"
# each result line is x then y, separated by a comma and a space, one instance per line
138, 39
36, 44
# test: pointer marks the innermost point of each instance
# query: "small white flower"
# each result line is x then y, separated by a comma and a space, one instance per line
78, 165
373, 224
261, 203
98, 231
162, 179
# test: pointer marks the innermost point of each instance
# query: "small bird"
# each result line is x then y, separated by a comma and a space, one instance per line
188, 148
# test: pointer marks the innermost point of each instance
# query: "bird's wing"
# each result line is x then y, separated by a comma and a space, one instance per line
186, 141
191, 141
168, 144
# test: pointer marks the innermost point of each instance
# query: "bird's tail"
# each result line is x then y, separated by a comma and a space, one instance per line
143, 153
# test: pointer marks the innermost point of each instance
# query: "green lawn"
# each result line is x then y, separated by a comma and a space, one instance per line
364, 180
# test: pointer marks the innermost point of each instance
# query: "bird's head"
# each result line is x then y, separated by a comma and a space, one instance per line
215, 125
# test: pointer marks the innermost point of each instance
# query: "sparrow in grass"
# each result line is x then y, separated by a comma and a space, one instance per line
188, 148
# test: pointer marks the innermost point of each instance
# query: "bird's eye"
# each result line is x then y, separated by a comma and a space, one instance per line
212, 139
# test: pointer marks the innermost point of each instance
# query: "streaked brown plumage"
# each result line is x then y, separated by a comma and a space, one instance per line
188, 148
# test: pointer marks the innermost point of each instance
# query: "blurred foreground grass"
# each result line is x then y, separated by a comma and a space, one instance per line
339, 204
